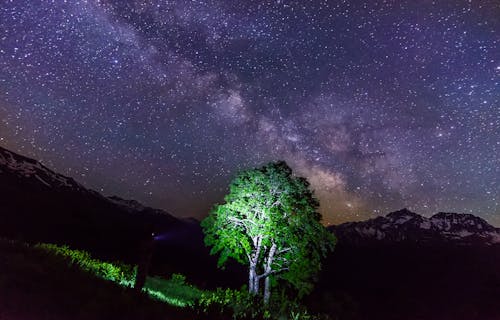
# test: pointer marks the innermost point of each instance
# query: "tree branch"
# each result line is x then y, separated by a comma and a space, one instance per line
241, 221
284, 250
266, 274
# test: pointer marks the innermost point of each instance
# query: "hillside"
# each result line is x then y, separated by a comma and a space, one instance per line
38, 204
42, 286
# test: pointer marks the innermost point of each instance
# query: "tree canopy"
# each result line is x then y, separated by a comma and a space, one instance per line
270, 222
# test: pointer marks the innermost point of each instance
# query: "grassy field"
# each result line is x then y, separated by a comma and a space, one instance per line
51, 282
46, 281
174, 291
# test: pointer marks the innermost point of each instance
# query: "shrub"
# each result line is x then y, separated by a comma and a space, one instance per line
227, 301
242, 305
174, 291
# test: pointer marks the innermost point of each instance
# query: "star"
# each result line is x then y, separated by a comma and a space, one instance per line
380, 105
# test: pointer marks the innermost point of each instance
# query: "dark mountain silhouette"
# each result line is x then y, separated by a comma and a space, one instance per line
401, 266
40, 205
37, 204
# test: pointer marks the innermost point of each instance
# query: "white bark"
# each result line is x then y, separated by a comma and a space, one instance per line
253, 279
267, 273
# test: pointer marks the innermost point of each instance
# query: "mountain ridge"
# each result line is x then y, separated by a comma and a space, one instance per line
20, 173
24, 167
39, 205
405, 225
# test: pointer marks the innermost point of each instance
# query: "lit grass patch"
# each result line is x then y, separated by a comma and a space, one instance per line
39, 284
174, 291
118, 272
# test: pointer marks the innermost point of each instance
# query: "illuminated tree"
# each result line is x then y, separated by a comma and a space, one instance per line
270, 222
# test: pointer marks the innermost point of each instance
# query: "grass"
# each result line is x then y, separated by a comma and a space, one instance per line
47, 281
174, 291
53, 282
117, 272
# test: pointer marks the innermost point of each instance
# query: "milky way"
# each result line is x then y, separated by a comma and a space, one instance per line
380, 104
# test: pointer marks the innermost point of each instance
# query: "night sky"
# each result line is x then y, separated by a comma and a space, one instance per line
380, 104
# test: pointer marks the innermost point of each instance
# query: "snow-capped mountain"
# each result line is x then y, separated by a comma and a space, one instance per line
15, 165
20, 169
404, 225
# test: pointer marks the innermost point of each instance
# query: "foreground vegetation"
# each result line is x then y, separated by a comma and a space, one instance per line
37, 283
47, 281
173, 291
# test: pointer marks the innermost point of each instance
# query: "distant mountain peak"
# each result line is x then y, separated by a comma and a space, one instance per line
31, 172
450, 221
15, 164
402, 216
405, 225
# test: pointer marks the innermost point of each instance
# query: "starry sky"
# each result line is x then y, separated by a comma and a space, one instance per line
381, 104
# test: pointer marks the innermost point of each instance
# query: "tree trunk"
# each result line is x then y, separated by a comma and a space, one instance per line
251, 277
256, 285
267, 290
267, 272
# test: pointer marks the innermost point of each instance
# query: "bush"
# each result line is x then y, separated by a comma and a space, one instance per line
174, 291
239, 303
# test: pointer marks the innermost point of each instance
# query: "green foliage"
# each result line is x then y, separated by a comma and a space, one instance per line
281, 307
82, 277
174, 291
116, 271
36, 283
269, 220
240, 304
